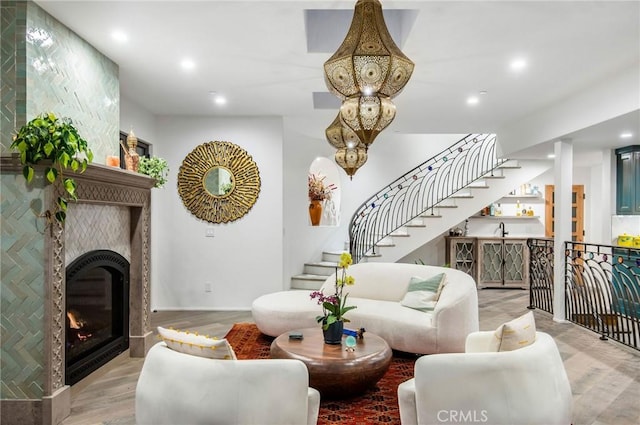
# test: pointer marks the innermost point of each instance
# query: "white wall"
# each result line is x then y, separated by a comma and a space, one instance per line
244, 259
133, 116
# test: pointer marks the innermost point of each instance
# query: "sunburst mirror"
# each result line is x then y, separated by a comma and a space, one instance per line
218, 182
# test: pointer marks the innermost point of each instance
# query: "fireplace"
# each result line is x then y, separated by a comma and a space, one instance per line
97, 312
112, 213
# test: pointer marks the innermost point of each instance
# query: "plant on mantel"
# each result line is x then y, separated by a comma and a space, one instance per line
49, 138
156, 168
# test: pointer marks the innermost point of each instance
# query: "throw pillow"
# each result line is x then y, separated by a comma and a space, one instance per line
515, 334
422, 293
197, 345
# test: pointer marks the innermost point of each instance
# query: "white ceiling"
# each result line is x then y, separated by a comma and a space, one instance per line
256, 54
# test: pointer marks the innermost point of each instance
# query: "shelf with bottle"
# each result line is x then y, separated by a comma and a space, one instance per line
527, 197
515, 217
526, 190
518, 211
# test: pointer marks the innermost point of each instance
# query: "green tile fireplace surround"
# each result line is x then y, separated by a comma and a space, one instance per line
32, 288
39, 58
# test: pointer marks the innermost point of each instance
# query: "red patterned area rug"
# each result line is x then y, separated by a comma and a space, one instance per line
379, 405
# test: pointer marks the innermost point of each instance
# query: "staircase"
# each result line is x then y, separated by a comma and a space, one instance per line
314, 274
425, 202
454, 209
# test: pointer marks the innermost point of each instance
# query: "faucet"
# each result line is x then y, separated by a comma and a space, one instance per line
502, 229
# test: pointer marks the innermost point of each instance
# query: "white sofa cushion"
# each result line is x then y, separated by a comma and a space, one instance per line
515, 334
197, 345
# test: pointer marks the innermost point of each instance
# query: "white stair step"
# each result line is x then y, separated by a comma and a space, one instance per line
323, 268
428, 215
384, 243
307, 281
415, 224
400, 234
331, 256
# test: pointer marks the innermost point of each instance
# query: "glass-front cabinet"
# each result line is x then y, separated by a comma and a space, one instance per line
492, 262
503, 262
461, 254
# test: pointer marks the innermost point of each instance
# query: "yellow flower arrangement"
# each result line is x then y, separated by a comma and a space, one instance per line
334, 306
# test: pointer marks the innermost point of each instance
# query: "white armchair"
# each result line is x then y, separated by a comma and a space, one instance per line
176, 388
525, 386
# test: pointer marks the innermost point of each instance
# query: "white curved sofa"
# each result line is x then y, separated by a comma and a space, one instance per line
177, 388
527, 386
378, 290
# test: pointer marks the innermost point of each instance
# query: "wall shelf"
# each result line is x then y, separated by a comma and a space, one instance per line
522, 197
506, 217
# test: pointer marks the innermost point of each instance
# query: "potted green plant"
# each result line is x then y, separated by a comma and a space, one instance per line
156, 168
49, 138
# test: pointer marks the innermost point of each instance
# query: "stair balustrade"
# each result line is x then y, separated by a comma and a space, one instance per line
421, 190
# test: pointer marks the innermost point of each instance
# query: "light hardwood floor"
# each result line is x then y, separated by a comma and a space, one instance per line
604, 375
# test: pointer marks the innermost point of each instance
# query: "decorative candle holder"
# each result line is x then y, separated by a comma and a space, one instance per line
113, 161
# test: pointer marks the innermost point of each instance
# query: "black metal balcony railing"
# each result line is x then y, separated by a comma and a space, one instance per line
420, 190
541, 274
603, 290
602, 287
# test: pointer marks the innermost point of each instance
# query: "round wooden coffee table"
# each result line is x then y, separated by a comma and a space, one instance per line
334, 371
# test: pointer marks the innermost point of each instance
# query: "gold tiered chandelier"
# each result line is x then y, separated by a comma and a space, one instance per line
366, 72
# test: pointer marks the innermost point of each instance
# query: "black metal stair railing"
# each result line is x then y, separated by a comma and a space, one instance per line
420, 190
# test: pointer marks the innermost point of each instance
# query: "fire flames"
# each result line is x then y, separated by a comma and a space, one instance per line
77, 324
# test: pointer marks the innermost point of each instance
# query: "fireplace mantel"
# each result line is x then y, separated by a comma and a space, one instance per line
96, 173
98, 185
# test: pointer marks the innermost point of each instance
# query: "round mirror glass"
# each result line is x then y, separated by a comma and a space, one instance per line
218, 181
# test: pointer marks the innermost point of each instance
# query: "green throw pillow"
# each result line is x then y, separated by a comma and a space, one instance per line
422, 294
426, 284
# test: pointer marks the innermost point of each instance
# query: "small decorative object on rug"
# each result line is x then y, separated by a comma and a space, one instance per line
318, 193
335, 306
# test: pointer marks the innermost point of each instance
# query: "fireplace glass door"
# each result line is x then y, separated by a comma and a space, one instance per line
97, 312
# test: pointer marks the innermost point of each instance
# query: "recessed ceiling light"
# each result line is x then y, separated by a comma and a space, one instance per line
482, 92
119, 36
472, 100
518, 64
626, 135
218, 99
187, 64
551, 156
